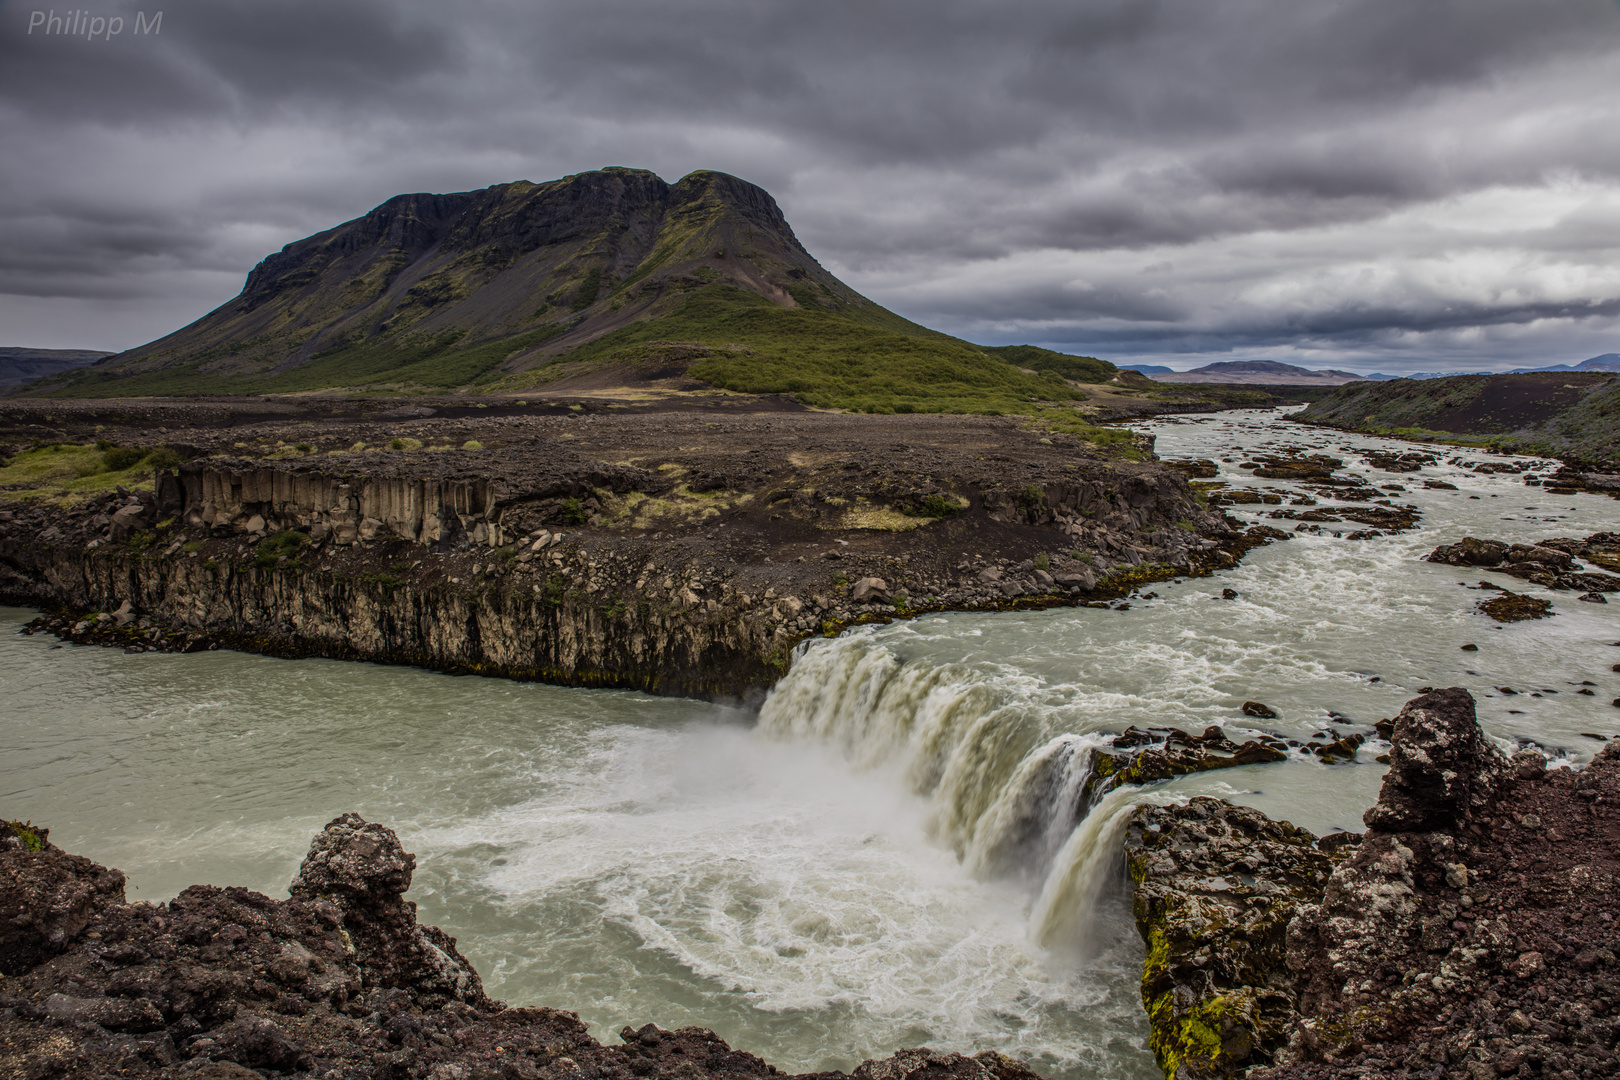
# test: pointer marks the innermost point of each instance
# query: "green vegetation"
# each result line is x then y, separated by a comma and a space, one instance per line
273, 548
28, 834
1042, 561
1575, 416
932, 506
433, 362
573, 512
834, 360
1084, 369
68, 471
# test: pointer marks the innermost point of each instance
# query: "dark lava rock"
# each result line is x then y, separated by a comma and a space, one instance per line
337, 982
1215, 887
1550, 564
1470, 933
1470, 648
1515, 607
1259, 711
47, 897
362, 870
1160, 755
1441, 765
1229, 594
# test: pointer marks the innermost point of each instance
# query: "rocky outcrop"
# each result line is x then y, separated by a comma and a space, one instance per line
1214, 888
1550, 564
1469, 933
338, 981
362, 870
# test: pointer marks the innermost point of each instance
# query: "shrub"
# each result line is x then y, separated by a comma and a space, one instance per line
573, 512
163, 458
397, 444
1043, 561
27, 834
936, 506
120, 458
1032, 496
273, 547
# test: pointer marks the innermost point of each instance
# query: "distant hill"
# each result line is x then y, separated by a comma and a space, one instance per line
1571, 415
18, 366
1264, 372
1606, 362
600, 281
1146, 369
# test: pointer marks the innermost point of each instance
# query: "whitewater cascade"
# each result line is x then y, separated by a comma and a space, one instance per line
1007, 787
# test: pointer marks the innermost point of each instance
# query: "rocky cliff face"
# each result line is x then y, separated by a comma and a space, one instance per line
339, 981
683, 557
1470, 933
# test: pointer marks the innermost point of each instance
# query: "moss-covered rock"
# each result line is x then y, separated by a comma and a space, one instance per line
1215, 887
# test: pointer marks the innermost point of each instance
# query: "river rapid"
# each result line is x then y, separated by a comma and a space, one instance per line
888, 854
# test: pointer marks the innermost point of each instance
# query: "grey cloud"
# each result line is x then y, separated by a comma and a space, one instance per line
931, 152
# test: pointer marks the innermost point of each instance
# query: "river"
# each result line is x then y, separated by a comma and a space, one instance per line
884, 855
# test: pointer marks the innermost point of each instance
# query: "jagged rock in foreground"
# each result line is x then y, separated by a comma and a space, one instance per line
339, 982
1470, 933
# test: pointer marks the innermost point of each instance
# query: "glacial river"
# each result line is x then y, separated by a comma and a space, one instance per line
885, 856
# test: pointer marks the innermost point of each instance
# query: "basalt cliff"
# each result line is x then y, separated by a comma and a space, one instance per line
678, 553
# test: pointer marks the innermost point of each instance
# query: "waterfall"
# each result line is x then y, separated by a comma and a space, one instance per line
1008, 790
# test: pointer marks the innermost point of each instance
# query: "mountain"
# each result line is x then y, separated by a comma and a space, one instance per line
18, 366
1268, 372
1606, 362
605, 279
1146, 369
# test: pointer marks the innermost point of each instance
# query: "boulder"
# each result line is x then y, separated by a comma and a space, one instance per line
361, 869
47, 897
870, 590
1441, 766
1469, 552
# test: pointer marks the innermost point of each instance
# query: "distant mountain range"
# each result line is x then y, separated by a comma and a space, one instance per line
18, 366
1268, 371
1257, 372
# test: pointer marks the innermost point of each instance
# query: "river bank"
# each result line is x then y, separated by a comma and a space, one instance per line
685, 553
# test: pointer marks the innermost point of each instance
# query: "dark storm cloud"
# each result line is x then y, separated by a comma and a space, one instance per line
1127, 175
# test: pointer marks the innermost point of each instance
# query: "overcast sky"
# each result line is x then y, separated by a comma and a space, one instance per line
1383, 185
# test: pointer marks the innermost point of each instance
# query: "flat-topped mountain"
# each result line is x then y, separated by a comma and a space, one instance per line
600, 280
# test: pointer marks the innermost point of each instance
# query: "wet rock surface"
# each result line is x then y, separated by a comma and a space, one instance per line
338, 982
1551, 564
1470, 933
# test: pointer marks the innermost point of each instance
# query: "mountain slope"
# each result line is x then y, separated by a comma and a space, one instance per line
1571, 415
613, 277
18, 366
